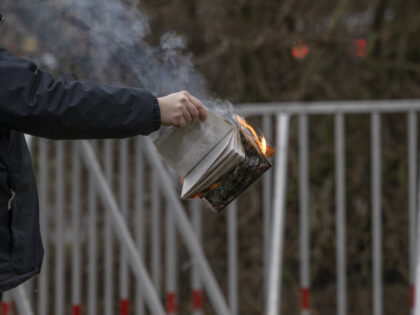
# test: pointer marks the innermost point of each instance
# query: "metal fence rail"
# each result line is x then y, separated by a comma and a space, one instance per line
115, 216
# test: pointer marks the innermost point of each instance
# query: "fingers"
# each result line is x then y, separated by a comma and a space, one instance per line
202, 110
199, 106
186, 114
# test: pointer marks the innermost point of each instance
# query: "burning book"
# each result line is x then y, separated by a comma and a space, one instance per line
217, 159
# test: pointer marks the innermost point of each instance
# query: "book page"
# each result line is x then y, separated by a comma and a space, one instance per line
232, 155
183, 148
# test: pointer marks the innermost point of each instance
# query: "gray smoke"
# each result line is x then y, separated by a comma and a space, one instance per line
102, 41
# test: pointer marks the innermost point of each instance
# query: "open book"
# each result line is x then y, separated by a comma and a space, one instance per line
202, 152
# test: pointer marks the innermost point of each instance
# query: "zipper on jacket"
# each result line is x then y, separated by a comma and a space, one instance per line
9, 203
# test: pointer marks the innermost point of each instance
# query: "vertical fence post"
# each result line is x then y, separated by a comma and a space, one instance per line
304, 213
76, 259
29, 284
232, 222
171, 262
412, 188
340, 200
376, 214
121, 229
155, 226
266, 202
59, 229
92, 232
140, 226
43, 205
197, 294
123, 191
108, 239
186, 231
278, 220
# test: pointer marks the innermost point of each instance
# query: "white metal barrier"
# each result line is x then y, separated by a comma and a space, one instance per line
340, 109
116, 193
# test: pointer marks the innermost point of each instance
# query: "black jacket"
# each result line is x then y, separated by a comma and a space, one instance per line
32, 102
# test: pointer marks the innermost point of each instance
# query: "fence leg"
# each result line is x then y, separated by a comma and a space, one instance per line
304, 213
340, 217
376, 214
121, 229
278, 219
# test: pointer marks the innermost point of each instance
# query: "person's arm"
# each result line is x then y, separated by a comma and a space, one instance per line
31, 101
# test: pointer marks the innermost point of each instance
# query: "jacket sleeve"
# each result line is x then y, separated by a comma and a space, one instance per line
31, 101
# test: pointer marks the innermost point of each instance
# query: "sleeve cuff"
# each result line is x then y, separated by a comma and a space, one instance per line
155, 114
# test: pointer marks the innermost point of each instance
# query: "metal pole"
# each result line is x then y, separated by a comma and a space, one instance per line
22, 301
232, 213
171, 262
156, 230
108, 239
340, 223
267, 197
43, 205
121, 229
76, 259
278, 220
92, 232
29, 284
186, 231
416, 293
332, 107
376, 214
412, 177
140, 226
304, 213
197, 294
59, 229
124, 281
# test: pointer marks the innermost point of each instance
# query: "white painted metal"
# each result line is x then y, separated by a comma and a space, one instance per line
278, 220
92, 241
304, 206
43, 206
22, 301
59, 229
340, 200
267, 191
196, 217
412, 188
123, 194
139, 217
232, 226
416, 309
156, 259
76, 257
29, 284
121, 229
108, 239
376, 215
186, 230
330, 107
171, 255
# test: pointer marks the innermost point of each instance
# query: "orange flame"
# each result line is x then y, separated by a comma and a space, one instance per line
260, 140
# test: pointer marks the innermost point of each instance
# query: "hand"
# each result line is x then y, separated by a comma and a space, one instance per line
181, 108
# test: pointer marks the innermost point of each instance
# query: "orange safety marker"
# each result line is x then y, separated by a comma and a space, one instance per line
77, 310
124, 306
171, 306
4, 308
360, 47
197, 300
304, 294
7, 308
300, 50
